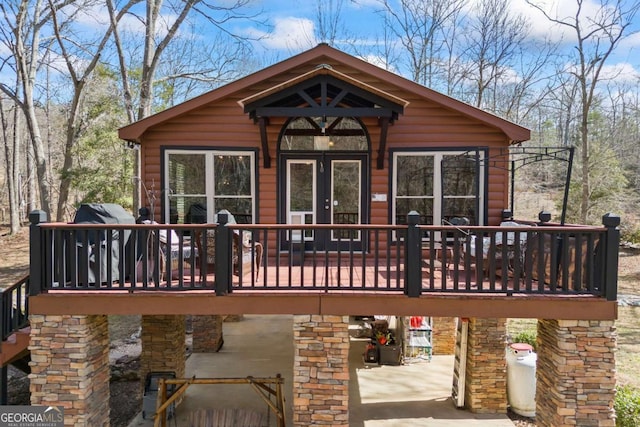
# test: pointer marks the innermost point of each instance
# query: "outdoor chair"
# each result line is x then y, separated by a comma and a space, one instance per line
246, 255
455, 242
480, 246
170, 243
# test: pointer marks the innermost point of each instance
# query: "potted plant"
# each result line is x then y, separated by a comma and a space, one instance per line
390, 352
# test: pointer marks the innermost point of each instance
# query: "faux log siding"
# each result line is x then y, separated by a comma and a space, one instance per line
424, 125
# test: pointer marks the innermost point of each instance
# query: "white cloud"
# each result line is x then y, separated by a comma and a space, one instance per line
379, 61
539, 27
289, 33
631, 42
562, 10
510, 76
622, 72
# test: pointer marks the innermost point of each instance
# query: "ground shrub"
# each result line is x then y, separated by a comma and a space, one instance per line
627, 406
630, 233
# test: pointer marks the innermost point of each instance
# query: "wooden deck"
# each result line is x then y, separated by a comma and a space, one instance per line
330, 289
405, 276
332, 275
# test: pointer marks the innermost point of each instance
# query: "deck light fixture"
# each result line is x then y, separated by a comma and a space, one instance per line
544, 216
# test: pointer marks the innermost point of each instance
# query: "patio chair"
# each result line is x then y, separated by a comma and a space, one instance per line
456, 243
482, 257
174, 248
249, 260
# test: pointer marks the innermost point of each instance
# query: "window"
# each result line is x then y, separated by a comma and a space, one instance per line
438, 185
324, 134
201, 183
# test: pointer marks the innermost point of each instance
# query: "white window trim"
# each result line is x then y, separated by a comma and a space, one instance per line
437, 182
210, 177
296, 234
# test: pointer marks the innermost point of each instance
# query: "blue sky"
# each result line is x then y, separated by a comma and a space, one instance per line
291, 27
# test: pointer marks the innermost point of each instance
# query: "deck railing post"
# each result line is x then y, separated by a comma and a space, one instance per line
412, 268
223, 268
612, 250
37, 262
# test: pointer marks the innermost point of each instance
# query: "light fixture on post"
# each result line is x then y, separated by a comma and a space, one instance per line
132, 145
321, 143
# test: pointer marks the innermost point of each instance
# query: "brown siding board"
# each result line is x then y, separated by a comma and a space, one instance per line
424, 125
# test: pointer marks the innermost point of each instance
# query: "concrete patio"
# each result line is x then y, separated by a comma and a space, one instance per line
416, 394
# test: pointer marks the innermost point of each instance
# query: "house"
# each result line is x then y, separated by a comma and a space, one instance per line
349, 188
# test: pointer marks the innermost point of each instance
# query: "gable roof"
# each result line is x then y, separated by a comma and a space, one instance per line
325, 92
514, 132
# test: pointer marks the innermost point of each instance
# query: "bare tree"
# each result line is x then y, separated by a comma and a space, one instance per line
80, 56
519, 93
385, 52
328, 20
182, 75
23, 21
595, 36
11, 138
493, 39
419, 24
159, 33
455, 72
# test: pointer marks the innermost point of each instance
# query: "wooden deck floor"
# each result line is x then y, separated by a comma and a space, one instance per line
334, 288
334, 276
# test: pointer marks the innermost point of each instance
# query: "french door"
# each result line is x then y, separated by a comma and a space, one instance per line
326, 188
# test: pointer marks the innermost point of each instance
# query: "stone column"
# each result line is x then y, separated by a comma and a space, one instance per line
321, 370
575, 373
207, 333
486, 373
443, 335
163, 345
70, 366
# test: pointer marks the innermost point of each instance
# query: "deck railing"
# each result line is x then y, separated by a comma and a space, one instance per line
412, 259
15, 309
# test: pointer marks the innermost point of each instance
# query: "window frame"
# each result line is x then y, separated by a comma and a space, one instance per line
210, 178
437, 197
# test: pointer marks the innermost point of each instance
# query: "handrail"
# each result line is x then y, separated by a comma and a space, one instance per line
408, 258
15, 307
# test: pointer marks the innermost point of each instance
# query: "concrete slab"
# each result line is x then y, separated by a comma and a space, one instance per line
416, 394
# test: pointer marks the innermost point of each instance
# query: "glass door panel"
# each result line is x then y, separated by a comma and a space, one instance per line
301, 196
326, 189
346, 195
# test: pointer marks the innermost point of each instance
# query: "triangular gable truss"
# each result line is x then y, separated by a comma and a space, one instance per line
322, 95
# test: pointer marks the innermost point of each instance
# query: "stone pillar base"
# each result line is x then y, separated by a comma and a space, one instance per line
575, 373
207, 333
70, 366
486, 372
163, 345
321, 371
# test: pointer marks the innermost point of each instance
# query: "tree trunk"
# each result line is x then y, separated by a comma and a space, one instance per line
26, 71
12, 171
586, 185
65, 180
39, 158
